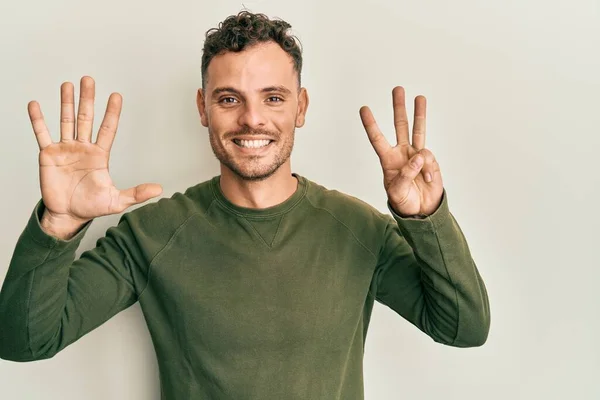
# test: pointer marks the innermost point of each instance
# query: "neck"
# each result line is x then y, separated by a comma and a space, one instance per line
258, 194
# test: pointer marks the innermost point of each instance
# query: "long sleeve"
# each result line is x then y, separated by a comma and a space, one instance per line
48, 300
425, 273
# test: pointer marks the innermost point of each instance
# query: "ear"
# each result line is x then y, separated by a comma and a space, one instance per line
302, 107
202, 108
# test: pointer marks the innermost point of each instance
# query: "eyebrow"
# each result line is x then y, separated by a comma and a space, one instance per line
268, 89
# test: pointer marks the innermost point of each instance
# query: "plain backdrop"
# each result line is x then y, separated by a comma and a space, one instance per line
513, 118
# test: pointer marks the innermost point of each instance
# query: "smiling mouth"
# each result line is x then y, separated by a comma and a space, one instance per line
252, 144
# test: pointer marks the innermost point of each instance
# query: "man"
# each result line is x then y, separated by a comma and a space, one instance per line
256, 284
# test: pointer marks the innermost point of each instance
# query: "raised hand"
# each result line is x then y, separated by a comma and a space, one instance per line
75, 183
411, 175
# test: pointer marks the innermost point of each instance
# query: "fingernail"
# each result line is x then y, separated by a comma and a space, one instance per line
417, 161
428, 177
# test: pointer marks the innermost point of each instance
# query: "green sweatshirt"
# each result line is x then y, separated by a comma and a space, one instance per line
247, 303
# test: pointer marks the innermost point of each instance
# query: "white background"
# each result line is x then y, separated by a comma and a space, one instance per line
513, 93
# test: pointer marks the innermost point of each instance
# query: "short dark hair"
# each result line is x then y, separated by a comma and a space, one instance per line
246, 29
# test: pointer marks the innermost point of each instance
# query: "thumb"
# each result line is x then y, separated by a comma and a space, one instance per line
402, 183
138, 194
412, 168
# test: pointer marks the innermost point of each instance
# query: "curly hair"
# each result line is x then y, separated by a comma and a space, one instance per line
246, 29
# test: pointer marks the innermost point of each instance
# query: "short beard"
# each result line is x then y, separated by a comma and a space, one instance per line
251, 176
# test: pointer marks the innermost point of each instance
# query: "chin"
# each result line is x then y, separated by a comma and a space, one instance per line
253, 169
254, 175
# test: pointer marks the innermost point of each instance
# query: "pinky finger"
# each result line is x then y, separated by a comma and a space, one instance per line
432, 173
40, 129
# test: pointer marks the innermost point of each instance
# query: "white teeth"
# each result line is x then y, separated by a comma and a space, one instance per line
253, 143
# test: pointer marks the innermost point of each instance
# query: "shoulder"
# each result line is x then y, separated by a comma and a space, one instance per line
366, 222
168, 213
342, 205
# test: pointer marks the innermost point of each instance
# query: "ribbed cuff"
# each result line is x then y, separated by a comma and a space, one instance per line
34, 228
427, 223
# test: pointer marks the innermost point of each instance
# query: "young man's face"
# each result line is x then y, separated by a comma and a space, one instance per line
251, 106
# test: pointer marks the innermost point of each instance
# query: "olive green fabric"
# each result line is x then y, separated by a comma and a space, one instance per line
247, 303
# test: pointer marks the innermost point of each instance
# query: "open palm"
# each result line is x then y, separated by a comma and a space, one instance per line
411, 175
74, 177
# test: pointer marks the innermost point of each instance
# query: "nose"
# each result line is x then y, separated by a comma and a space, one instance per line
252, 116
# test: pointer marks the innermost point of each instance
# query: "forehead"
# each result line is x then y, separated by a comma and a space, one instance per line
261, 65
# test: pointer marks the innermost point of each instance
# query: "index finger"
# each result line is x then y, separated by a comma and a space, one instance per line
379, 142
108, 127
39, 125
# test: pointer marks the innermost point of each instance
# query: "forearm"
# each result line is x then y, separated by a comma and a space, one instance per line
49, 300
454, 295
426, 274
33, 294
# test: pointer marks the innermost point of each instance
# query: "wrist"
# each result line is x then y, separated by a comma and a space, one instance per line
404, 215
61, 227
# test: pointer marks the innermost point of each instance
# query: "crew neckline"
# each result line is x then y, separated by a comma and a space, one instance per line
272, 211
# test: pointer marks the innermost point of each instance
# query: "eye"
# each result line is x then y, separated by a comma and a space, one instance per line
227, 100
275, 99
